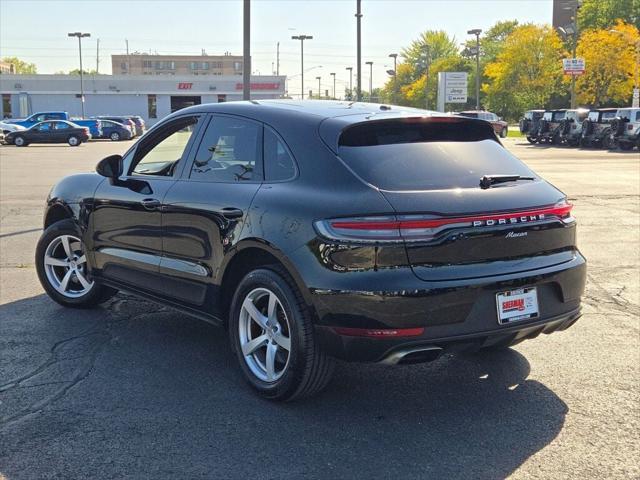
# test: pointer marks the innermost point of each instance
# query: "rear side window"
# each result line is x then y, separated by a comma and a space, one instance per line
278, 164
401, 156
230, 151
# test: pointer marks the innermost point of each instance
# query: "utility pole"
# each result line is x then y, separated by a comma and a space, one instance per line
246, 53
80, 36
319, 93
359, 50
302, 38
370, 80
350, 82
395, 77
427, 65
278, 59
98, 57
477, 32
333, 74
128, 60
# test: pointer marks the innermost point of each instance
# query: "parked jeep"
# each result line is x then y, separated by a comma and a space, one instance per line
529, 124
549, 126
571, 126
625, 128
596, 129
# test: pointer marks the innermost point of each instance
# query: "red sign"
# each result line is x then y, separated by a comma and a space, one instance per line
260, 86
185, 86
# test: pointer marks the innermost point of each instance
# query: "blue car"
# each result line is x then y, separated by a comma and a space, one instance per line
115, 131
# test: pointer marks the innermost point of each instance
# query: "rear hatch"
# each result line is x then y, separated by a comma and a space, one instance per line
430, 168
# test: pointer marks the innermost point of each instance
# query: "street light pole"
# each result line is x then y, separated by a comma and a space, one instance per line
370, 79
302, 38
477, 32
350, 82
246, 51
319, 91
80, 36
358, 50
395, 77
333, 74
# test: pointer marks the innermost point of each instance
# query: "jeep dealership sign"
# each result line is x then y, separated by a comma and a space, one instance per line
573, 66
452, 88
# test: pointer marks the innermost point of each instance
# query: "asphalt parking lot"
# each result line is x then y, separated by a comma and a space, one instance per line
134, 390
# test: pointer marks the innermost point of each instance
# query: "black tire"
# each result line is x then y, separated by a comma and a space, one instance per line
74, 141
20, 141
115, 137
308, 369
94, 296
532, 140
625, 146
504, 132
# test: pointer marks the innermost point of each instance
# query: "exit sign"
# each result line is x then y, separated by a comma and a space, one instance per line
185, 86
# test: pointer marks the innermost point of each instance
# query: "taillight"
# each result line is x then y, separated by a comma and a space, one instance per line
629, 127
426, 227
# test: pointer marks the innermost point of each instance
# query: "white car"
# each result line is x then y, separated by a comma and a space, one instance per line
10, 127
625, 129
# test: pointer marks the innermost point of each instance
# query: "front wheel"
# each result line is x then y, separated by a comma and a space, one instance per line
19, 141
531, 139
61, 263
73, 141
504, 132
271, 331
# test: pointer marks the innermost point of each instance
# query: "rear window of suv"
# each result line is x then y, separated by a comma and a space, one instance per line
427, 155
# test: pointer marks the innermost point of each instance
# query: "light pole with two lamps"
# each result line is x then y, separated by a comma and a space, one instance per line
80, 36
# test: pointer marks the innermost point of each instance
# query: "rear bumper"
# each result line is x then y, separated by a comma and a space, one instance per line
451, 313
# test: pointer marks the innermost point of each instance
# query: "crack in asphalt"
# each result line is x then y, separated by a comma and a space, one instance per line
105, 335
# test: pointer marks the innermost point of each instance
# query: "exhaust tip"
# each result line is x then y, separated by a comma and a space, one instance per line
413, 355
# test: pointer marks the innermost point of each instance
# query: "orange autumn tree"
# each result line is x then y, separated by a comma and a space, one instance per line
609, 56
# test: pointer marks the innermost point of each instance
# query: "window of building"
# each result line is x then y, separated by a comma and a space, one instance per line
147, 63
205, 65
6, 105
194, 65
237, 66
152, 106
229, 152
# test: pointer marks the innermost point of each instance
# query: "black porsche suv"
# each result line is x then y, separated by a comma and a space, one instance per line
319, 230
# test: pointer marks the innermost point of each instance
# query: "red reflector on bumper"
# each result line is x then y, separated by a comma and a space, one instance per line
379, 332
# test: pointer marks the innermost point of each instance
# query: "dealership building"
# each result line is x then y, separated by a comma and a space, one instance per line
151, 97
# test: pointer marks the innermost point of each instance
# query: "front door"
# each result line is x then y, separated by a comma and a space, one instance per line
125, 221
41, 133
205, 210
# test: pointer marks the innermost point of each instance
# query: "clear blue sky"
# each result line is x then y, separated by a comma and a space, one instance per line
37, 30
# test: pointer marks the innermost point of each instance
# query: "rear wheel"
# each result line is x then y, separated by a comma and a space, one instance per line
271, 331
115, 136
626, 146
531, 139
61, 263
73, 141
504, 132
19, 141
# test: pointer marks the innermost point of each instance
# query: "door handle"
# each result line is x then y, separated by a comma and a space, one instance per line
231, 213
150, 203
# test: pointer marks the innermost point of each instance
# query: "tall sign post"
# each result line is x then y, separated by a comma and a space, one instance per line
452, 88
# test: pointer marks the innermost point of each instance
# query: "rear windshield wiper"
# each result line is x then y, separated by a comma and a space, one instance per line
487, 180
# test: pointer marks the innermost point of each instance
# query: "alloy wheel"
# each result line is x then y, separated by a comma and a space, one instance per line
265, 335
65, 266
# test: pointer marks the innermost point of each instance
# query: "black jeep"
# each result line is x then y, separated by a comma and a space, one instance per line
529, 124
549, 126
596, 129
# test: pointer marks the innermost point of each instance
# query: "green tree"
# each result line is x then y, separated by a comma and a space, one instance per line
527, 73
430, 45
76, 71
20, 66
594, 14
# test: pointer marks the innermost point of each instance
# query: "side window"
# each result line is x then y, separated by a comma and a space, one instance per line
161, 153
40, 118
278, 164
61, 126
638, 116
45, 127
229, 152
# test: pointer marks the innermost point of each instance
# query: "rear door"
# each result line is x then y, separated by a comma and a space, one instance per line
430, 172
204, 212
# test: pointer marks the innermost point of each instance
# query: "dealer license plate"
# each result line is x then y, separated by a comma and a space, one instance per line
517, 305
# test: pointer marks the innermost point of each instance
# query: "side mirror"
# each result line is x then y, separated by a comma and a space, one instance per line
110, 167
